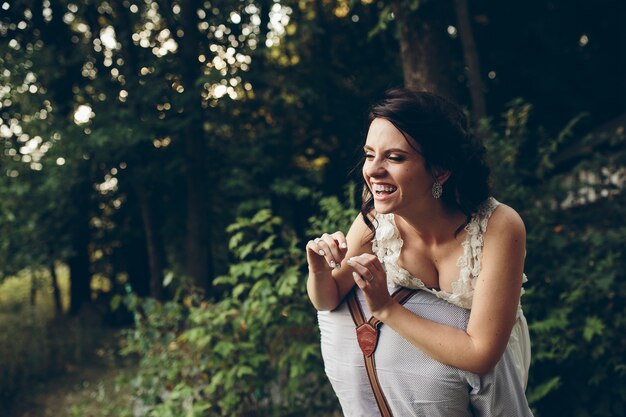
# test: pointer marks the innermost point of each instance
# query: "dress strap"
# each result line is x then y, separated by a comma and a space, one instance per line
474, 242
485, 211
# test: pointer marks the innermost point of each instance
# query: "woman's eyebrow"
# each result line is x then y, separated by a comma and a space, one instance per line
369, 148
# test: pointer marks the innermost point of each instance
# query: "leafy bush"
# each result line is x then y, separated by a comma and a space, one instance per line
255, 352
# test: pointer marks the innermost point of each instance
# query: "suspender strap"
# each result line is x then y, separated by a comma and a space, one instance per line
367, 335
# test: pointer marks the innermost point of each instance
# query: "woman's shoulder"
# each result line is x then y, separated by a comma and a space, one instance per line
505, 220
360, 234
378, 234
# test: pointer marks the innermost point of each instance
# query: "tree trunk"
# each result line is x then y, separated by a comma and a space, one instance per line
58, 34
80, 276
137, 264
476, 85
425, 47
33, 288
621, 50
56, 292
197, 242
154, 244
78, 262
199, 261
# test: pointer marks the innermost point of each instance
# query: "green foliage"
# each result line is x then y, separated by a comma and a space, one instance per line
337, 216
575, 262
255, 352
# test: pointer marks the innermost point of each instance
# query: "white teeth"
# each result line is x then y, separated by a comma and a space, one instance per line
379, 188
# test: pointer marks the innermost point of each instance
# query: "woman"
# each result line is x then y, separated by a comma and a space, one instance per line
459, 346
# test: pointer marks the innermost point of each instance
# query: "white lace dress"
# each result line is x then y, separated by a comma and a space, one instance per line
415, 384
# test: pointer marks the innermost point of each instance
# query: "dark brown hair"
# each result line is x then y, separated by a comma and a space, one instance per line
442, 130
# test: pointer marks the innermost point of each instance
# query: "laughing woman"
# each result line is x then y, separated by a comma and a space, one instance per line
457, 344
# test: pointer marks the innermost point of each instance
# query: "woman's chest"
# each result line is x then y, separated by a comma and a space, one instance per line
437, 268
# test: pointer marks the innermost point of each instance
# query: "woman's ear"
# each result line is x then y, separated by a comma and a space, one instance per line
441, 175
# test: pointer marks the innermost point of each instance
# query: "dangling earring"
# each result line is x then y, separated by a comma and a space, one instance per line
437, 189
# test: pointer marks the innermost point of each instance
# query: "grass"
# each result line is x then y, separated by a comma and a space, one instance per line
41, 353
26, 350
15, 291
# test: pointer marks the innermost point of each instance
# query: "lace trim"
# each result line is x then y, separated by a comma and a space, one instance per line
387, 245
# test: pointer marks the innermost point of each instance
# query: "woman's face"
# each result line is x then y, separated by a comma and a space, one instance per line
393, 170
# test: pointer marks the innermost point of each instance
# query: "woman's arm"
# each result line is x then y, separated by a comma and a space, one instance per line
328, 285
496, 297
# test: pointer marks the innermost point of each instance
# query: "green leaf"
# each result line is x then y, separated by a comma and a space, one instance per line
116, 301
593, 327
167, 280
260, 287
266, 244
224, 348
543, 389
235, 240
244, 370
239, 289
245, 250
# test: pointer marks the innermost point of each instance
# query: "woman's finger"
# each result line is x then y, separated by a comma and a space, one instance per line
325, 250
368, 261
331, 246
313, 246
316, 257
341, 240
374, 262
365, 273
359, 280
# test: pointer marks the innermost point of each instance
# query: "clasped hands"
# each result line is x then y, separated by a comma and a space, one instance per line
328, 253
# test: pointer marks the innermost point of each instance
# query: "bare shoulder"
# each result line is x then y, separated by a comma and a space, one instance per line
505, 221
360, 235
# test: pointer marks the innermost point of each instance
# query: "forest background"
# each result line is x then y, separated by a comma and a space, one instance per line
163, 163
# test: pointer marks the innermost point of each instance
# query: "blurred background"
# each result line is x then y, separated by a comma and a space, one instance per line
164, 162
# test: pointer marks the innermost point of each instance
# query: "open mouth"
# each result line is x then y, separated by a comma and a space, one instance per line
384, 189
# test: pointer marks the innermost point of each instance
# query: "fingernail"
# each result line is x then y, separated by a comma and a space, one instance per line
322, 252
354, 274
350, 261
343, 245
333, 264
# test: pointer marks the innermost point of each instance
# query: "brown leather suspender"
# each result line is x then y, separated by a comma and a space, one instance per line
367, 335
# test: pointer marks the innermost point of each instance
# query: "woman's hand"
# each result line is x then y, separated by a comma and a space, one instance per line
326, 253
371, 278
327, 287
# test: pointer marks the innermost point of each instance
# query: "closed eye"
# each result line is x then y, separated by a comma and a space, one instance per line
393, 154
392, 157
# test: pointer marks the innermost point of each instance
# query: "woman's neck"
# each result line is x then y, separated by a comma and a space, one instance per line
435, 223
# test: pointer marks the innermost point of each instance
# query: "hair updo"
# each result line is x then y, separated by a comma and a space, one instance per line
442, 130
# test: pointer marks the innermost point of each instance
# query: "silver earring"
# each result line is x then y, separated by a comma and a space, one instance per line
437, 189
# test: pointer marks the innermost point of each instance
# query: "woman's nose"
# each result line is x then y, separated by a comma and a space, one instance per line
373, 167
